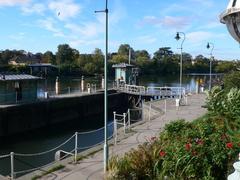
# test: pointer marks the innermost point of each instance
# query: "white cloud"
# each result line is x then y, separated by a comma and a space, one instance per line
167, 21
49, 24
80, 42
65, 9
13, 2
146, 39
35, 8
88, 30
202, 36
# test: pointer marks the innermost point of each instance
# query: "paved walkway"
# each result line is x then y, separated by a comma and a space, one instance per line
92, 167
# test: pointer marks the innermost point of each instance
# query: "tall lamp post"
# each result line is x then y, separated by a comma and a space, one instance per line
178, 37
210, 45
105, 93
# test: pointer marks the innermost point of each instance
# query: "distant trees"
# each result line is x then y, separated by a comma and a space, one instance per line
164, 60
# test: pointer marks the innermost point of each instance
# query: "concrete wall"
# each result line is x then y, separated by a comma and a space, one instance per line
84, 112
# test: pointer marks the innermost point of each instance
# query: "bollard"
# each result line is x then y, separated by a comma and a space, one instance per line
124, 122
69, 90
46, 95
76, 147
197, 87
12, 166
177, 103
89, 88
102, 82
57, 86
115, 128
236, 174
82, 84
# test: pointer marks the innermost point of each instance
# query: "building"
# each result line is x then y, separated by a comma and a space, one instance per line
125, 73
18, 88
43, 69
23, 60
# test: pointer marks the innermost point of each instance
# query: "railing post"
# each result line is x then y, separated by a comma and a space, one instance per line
149, 112
129, 119
165, 105
76, 147
12, 166
142, 109
115, 127
124, 122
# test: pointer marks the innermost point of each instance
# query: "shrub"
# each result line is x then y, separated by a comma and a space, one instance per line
199, 150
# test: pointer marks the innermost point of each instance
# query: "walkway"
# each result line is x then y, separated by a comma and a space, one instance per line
92, 167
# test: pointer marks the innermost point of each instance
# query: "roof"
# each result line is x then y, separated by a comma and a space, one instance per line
122, 65
17, 77
42, 65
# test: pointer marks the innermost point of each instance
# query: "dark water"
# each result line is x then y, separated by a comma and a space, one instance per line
44, 141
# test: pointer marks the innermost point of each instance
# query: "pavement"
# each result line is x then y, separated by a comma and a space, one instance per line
91, 168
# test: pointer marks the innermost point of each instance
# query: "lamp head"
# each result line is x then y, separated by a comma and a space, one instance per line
177, 36
208, 45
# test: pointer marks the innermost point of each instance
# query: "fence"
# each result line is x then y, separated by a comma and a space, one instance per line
23, 163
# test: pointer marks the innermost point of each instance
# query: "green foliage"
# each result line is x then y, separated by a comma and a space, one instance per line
232, 80
202, 149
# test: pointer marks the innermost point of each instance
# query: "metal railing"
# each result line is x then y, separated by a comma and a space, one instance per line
70, 147
152, 91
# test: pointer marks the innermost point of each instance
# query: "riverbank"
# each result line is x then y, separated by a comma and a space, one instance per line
92, 166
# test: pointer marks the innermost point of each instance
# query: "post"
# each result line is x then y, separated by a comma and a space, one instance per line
89, 88
76, 147
82, 83
165, 106
129, 119
149, 112
57, 86
16, 96
102, 82
105, 92
124, 122
129, 56
210, 78
142, 109
69, 90
115, 127
12, 166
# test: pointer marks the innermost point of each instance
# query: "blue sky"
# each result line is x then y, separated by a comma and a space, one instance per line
41, 25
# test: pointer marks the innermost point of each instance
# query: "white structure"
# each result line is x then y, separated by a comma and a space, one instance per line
236, 174
231, 17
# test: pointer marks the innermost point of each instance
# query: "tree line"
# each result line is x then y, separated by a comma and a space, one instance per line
164, 61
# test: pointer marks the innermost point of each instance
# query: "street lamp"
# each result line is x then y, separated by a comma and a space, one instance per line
105, 148
209, 45
178, 37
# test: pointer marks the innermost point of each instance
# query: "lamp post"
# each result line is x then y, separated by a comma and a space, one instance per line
105, 92
178, 37
209, 45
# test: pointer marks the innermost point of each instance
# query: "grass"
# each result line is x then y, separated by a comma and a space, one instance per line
53, 169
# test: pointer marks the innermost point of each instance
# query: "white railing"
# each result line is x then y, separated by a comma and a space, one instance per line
152, 91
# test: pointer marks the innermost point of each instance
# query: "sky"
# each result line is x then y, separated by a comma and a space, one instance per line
41, 25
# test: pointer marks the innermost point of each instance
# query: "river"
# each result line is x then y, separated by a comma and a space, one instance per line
43, 141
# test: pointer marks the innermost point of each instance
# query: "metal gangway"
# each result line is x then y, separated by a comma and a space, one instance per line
162, 92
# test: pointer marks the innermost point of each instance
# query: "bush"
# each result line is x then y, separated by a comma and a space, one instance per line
199, 150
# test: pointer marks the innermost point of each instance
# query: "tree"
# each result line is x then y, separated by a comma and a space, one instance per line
48, 57
98, 60
164, 52
65, 55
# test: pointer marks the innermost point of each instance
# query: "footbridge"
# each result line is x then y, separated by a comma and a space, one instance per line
159, 92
